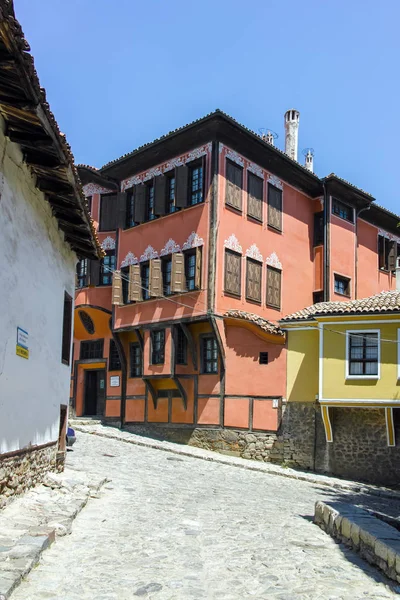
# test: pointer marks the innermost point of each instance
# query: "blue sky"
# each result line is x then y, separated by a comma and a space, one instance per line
119, 74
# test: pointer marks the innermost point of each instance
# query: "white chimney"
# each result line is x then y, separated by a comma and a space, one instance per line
269, 138
309, 164
291, 132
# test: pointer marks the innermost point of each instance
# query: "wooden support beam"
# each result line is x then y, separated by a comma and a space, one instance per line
151, 389
191, 343
182, 391
220, 344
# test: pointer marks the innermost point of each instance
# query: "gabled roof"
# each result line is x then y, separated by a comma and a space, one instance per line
263, 324
31, 124
384, 302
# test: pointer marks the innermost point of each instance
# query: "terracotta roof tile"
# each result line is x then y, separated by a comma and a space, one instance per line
265, 325
384, 302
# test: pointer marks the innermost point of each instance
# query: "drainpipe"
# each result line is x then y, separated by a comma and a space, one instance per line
326, 244
356, 251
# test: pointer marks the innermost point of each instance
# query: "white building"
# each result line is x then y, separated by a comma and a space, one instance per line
44, 227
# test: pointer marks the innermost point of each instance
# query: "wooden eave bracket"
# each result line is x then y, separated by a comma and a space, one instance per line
191, 343
181, 390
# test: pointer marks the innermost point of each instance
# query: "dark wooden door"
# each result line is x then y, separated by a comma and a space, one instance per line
95, 392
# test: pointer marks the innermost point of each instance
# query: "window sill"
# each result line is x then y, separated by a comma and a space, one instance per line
340, 294
361, 377
272, 306
235, 209
255, 219
232, 294
274, 228
253, 301
343, 219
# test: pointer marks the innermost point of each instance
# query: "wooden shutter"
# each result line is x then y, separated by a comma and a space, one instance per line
178, 281
274, 207
181, 186
94, 271
381, 251
197, 281
233, 272
253, 280
108, 213
155, 278
135, 284
121, 209
116, 293
160, 195
255, 196
140, 203
274, 277
392, 256
234, 184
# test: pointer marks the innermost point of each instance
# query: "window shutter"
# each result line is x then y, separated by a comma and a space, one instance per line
255, 196
274, 207
140, 203
178, 282
181, 186
135, 284
392, 256
94, 272
233, 263
253, 280
108, 213
160, 195
117, 289
234, 184
121, 209
155, 277
381, 251
197, 281
274, 277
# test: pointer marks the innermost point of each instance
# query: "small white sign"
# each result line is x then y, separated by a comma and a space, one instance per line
275, 403
22, 338
114, 381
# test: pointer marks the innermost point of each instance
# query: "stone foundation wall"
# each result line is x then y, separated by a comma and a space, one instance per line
22, 470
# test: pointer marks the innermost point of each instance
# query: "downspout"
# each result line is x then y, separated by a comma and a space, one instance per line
356, 251
326, 245
120, 348
212, 250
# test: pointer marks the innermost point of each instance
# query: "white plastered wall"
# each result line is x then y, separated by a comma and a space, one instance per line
36, 268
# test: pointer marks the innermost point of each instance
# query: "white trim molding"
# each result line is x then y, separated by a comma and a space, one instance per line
273, 261
348, 376
193, 241
108, 243
92, 188
232, 243
360, 402
130, 259
273, 180
148, 254
254, 253
256, 170
233, 156
170, 248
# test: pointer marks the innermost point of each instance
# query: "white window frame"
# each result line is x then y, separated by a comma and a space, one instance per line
348, 333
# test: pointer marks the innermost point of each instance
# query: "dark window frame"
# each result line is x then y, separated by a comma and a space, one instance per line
189, 255
318, 238
82, 275
181, 347
342, 279
91, 349
237, 294
271, 186
318, 296
157, 347
198, 192
250, 175
101, 216
105, 277
263, 358
342, 210
145, 279
205, 339
130, 209
114, 361
166, 269
170, 207
135, 368
363, 359
385, 246
66, 330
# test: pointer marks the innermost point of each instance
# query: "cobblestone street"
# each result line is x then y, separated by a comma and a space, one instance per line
169, 527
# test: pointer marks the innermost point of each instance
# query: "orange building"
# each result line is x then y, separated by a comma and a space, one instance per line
212, 235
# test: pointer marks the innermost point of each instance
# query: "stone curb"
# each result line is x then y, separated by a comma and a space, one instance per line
374, 540
250, 465
18, 560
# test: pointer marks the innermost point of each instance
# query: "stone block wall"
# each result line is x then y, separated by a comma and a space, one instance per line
23, 469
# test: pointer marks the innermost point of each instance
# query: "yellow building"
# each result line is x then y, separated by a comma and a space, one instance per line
343, 400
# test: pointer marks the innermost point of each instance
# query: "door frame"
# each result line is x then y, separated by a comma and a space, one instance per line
84, 391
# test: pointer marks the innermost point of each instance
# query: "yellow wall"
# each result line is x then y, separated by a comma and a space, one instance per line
335, 384
302, 366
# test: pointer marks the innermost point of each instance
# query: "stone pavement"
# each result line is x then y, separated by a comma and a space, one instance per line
172, 527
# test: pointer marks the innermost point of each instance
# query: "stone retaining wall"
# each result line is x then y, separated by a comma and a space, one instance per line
375, 541
26, 468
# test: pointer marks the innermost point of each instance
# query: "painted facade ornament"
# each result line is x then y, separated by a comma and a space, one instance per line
148, 254
130, 259
235, 157
135, 180
92, 188
152, 173
170, 247
193, 241
389, 236
108, 243
232, 243
273, 180
253, 168
273, 261
254, 253
199, 152
175, 162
